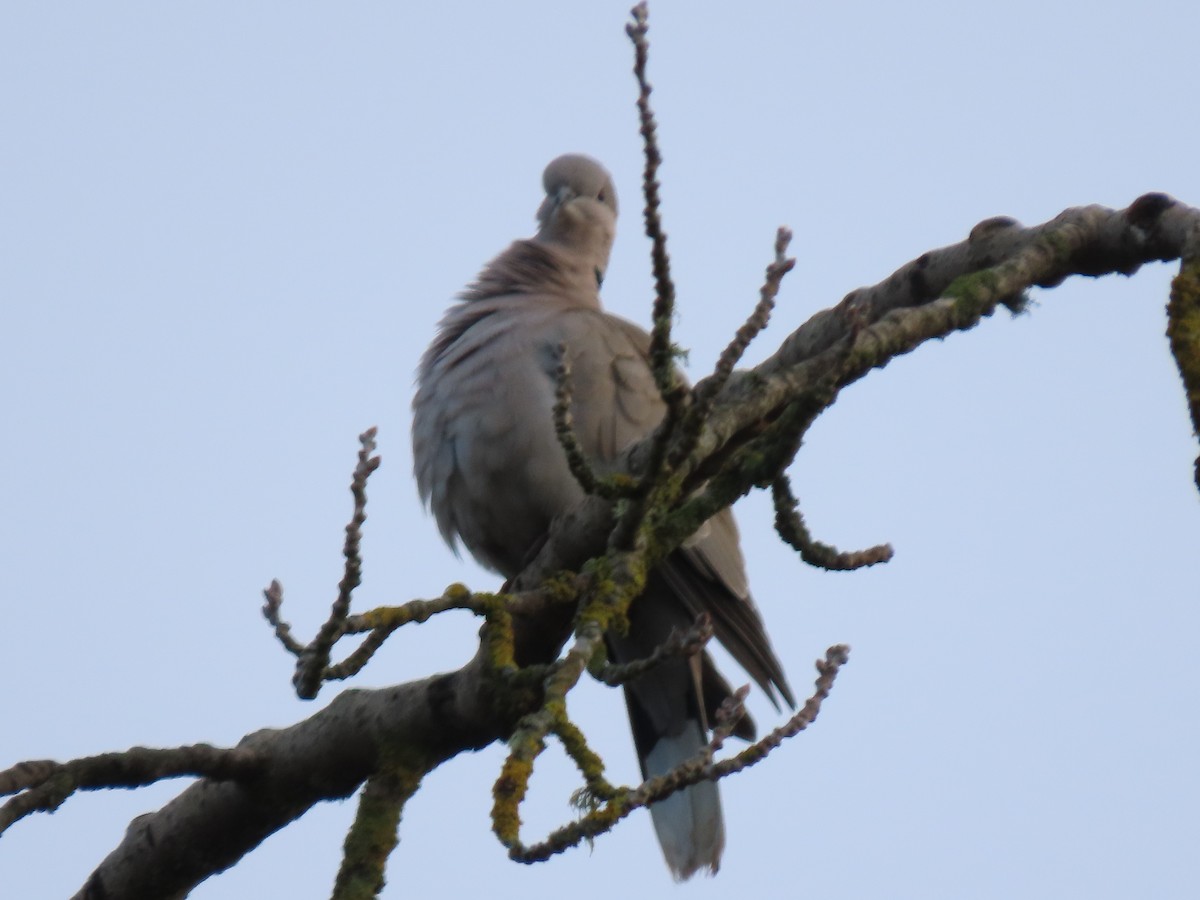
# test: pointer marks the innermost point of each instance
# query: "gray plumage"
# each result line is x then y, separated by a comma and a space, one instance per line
489, 465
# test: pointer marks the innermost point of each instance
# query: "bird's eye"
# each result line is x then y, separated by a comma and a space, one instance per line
600, 197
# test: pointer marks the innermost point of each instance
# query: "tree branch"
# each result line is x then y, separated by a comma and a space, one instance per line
213, 823
702, 768
282, 773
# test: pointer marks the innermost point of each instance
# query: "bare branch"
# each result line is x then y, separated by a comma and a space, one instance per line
943, 291
213, 823
662, 355
42, 786
379, 624
611, 488
679, 644
701, 768
754, 325
704, 394
828, 668
271, 611
315, 657
564, 426
662, 351
731, 711
790, 525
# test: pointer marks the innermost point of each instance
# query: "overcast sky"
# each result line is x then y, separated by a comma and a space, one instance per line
227, 231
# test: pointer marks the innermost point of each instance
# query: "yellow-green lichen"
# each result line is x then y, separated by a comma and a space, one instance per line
973, 295
590, 765
508, 792
497, 633
374, 834
1057, 245
457, 592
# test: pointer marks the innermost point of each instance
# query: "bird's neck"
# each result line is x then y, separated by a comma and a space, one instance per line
540, 267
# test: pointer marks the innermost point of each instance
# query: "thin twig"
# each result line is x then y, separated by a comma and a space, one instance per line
564, 426
693, 771
315, 657
755, 324
380, 623
662, 357
731, 711
828, 668
678, 644
271, 609
606, 603
790, 524
706, 392
613, 487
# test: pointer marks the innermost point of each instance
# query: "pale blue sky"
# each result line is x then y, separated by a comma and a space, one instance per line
228, 230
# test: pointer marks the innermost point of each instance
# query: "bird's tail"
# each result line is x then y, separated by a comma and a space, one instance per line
668, 714
689, 824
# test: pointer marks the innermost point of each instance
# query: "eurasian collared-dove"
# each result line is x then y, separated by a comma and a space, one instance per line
488, 462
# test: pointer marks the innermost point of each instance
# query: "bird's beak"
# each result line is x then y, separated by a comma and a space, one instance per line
553, 203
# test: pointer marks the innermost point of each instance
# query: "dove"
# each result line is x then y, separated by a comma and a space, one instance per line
489, 465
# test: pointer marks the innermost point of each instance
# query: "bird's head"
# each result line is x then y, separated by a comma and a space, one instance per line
579, 213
